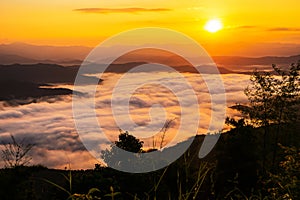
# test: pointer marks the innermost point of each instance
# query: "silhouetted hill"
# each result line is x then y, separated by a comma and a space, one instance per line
28, 54
235, 162
7, 59
20, 84
39, 73
16, 59
15, 90
267, 60
125, 67
44, 52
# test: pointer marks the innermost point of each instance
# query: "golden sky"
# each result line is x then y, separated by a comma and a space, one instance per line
247, 24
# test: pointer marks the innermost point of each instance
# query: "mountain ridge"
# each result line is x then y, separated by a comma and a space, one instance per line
23, 53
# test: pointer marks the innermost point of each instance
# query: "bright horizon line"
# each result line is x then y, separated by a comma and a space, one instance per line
213, 55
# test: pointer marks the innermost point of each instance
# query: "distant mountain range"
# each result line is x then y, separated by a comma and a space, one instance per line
29, 54
8, 59
24, 68
22, 53
20, 83
267, 60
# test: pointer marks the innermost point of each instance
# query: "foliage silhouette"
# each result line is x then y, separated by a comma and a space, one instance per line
129, 143
273, 99
115, 155
16, 153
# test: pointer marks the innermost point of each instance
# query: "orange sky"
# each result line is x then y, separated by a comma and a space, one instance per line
266, 27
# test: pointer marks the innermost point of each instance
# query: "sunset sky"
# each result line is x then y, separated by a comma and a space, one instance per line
265, 27
223, 28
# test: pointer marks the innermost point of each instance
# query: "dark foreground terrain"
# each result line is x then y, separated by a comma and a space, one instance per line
239, 167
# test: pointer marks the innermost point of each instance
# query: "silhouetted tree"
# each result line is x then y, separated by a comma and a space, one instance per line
15, 153
273, 96
286, 100
285, 183
273, 100
237, 124
129, 143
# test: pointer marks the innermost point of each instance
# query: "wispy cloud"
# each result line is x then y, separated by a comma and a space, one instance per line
246, 27
284, 29
120, 10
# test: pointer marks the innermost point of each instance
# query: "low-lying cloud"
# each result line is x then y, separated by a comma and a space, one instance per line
50, 126
289, 29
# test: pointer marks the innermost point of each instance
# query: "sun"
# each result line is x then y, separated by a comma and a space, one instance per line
213, 25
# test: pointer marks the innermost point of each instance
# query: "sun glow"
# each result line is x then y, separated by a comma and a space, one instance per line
213, 25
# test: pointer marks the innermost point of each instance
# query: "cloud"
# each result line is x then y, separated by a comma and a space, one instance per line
246, 27
30, 100
120, 10
242, 27
10, 114
50, 126
284, 29
264, 28
60, 158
